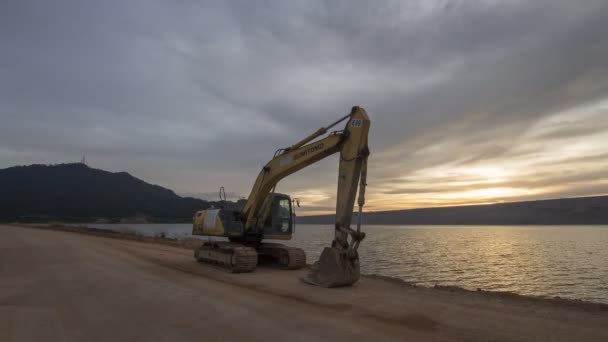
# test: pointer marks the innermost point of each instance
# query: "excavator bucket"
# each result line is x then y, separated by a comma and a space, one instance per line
335, 268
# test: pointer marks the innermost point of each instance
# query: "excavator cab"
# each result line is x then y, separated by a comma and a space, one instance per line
279, 222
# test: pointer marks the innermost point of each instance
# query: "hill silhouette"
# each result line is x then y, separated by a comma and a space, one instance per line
78, 193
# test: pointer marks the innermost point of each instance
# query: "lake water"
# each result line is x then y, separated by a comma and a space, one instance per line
565, 261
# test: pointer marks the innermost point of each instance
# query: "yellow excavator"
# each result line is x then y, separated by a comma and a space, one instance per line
269, 215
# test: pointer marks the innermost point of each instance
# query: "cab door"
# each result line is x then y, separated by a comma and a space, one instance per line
279, 223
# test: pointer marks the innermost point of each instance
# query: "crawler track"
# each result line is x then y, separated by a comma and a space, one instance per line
291, 258
233, 257
296, 258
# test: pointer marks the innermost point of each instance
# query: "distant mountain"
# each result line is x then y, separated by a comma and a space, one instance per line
584, 210
76, 192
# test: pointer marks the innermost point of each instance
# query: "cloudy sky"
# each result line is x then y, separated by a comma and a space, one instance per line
470, 101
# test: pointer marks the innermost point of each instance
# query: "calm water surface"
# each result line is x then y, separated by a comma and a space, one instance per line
565, 261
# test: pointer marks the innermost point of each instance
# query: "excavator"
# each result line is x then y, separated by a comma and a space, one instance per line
268, 215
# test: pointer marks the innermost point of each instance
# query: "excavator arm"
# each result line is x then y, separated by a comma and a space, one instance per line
339, 263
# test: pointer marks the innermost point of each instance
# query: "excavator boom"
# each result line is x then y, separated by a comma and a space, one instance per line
338, 265
261, 218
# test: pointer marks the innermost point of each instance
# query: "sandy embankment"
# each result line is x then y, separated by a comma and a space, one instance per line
57, 286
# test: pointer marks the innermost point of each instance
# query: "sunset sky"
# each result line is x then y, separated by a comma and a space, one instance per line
470, 101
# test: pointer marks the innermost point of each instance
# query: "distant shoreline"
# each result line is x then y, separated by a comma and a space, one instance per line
567, 211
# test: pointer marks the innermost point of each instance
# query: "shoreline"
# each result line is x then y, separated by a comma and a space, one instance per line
192, 243
118, 286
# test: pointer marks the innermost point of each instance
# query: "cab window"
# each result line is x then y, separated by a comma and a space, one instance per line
282, 215
279, 220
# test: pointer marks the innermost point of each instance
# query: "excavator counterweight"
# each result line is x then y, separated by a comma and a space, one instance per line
269, 215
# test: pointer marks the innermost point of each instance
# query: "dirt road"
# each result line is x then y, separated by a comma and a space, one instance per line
60, 286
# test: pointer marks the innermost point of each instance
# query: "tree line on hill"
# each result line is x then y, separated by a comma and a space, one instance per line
78, 193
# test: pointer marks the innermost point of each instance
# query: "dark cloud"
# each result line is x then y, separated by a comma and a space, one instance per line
194, 95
